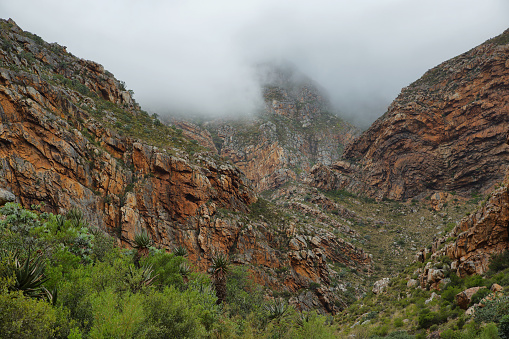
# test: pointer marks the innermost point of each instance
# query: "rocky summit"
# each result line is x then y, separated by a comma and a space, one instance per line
303, 225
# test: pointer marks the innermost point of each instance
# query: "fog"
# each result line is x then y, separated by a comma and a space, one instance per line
199, 56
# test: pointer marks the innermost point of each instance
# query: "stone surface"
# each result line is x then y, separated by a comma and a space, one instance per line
294, 130
446, 131
475, 238
463, 298
380, 285
6, 196
61, 146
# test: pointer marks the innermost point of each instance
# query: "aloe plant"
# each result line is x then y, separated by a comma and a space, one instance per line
185, 270
142, 240
138, 279
30, 276
180, 251
277, 309
220, 269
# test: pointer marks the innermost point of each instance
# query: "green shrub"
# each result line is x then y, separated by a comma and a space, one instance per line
503, 327
479, 295
499, 262
474, 280
493, 310
427, 318
23, 317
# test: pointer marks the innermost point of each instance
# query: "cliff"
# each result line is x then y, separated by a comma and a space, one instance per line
445, 132
295, 129
71, 135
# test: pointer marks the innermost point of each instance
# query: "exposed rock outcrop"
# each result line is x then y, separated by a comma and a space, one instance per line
72, 136
445, 132
294, 131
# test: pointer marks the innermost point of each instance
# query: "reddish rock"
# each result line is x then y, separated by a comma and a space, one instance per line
463, 298
445, 132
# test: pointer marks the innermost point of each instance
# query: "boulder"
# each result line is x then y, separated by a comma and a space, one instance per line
380, 285
496, 288
463, 298
6, 196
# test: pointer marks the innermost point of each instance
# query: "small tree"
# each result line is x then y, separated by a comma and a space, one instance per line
141, 243
220, 269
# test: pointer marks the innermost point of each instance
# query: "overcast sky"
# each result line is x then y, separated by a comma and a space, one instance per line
191, 55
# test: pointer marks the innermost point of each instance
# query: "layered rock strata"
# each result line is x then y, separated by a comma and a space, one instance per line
445, 132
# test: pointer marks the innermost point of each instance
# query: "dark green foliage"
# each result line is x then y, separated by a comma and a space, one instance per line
499, 262
493, 310
180, 251
479, 295
427, 318
244, 297
474, 280
503, 327
142, 240
220, 269
30, 276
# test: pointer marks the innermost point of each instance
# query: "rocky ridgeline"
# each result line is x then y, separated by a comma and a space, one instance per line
294, 131
472, 243
445, 132
72, 136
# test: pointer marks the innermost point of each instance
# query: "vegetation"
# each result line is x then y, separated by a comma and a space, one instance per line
103, 294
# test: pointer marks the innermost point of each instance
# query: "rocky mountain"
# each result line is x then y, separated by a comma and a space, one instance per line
295, 129
71, 135
446, 131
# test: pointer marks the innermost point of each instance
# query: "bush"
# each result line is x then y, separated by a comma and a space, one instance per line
479, 295
427, 318
23, 317
499, 262
493, 311
503, 327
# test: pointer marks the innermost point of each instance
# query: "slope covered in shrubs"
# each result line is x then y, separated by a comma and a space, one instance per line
84, 286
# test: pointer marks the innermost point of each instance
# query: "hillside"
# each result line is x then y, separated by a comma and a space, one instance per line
73, 137
446, 131
291, 224
296, 128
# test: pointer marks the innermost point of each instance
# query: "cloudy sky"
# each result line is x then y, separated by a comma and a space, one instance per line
198, 55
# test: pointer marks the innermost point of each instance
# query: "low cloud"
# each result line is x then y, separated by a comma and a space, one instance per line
199, 56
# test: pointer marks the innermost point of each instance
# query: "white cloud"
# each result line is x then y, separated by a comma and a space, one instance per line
198, 55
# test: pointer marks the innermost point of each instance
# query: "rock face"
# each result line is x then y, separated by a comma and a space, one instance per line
463, 298
445, 132
474, 240
72, 136
6, 196
294, 131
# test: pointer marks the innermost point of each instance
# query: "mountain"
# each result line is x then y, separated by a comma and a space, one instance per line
71, 136
446, 131
296, 128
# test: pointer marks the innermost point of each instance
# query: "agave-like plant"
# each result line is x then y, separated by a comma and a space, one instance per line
220, 269
277, 309
138, 279
30, 276
76, 217
180, 251
142, 240
185, 270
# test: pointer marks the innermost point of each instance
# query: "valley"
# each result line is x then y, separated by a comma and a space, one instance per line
292, 223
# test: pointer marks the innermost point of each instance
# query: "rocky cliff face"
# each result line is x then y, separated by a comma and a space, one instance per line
446, 131
295, 130
473, 241
72, 136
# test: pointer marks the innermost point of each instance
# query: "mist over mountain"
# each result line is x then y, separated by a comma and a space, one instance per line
199, 57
